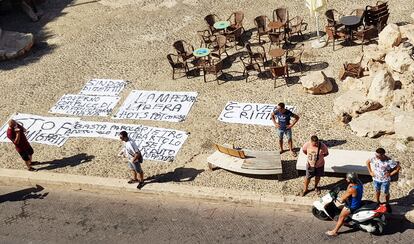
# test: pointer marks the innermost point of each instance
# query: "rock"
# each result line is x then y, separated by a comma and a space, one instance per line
404, 124
382, 87
317, 83
407, 31
412, 15
406, 79
400, 146
399, 60
361, 84
389, 37
403, 99
14, 44
353, 103
371, 54
374, 67
386, 142
373, 124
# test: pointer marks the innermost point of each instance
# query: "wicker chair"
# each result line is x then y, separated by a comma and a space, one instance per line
334, 34
296, 26
281, 15
276, 38
184, 50
352, 69
210, 20
236, 20
215, 66
279, 71
294, 56
249, 65
177, 64
206, 38
257, 53
332, 16
219, 46
261, 23
377, 15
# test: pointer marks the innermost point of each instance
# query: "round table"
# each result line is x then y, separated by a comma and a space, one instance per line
275, 25
221, 25
277, 54
201, 52
350, 22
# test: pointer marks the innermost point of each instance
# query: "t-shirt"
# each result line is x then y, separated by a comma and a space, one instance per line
130, 149
311, 151
23, 144
380, 168
283, 118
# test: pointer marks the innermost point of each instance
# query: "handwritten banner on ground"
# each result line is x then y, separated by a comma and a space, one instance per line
157, 105
103, 87
85, 105
249, 113
155, 143
45, 130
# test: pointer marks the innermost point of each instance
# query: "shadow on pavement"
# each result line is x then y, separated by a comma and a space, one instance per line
178, 175
71, 161
13, 19
28, 193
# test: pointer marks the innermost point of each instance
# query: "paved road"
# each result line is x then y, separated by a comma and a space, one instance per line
36, 215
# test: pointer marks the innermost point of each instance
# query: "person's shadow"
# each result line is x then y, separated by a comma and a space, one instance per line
22, 195
178, 175
71, 161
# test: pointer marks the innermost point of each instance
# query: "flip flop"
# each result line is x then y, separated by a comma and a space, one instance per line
303, 193
132, 181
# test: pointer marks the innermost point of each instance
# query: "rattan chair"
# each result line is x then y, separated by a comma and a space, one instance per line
177, 64
249, 65
261, 23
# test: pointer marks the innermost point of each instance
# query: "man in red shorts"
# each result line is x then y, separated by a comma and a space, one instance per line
15, 133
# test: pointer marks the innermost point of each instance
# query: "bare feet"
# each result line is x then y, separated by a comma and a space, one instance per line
303, 193
331, 233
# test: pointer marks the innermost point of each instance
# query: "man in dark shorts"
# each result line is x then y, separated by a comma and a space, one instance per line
284, 126
15, 133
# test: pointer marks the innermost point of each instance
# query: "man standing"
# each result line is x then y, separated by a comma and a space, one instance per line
15, 133
381, 168
316, 152
284, 126
135, 159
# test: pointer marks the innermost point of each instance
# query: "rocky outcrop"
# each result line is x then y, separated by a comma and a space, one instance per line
317, 83
407, 31
399, 60
389, 37
373, 124
404, 124
14, 44
362, 84
353, 103
382, 87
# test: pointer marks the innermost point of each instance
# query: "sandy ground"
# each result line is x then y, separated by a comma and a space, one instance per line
127, 39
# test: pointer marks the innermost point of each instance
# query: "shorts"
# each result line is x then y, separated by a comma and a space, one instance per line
135, 167
317, 172
382, 186
287, 132
26, 154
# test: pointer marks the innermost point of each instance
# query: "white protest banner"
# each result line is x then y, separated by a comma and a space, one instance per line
45, 130
157, 105
85, 105
155, 143
103, 87
249, 113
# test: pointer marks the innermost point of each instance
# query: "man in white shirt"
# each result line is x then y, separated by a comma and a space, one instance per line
131, 151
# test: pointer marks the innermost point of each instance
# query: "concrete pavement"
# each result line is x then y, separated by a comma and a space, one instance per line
13, 177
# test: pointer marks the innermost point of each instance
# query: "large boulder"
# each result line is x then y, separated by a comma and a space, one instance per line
399, 60
371, 54
382, 87
14, 44
317, 83
404, 124
373, 124
353, 103
389, 37
407, 31
362, 84
403, 99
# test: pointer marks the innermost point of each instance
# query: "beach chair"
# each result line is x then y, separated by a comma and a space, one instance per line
249, 65
177, 64
279, 71
210, 20
281, 15
236, 20
261, 23
352, 69
215, 67
296, 26
294, 56
257, 53
183, 49
219, 46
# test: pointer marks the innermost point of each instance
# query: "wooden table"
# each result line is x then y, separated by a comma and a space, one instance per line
275, 25
277, 54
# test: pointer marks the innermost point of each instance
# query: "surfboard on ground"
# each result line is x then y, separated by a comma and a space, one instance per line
245, 161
